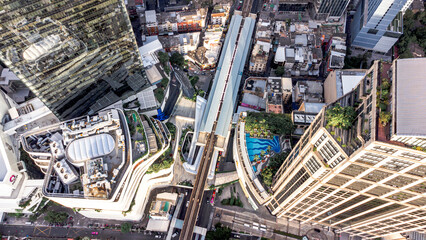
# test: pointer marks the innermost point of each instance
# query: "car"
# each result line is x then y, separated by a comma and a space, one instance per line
95, 233
187, 203
175, 234
213, 195
239, 8
157, 236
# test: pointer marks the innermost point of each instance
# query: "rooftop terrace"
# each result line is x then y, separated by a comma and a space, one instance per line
87, 156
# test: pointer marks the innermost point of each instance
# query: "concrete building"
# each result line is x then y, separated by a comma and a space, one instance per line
182, 43
166, 23
336, 52
366, 179
308, 91
377, 24
18, 192
77, 58
340, 82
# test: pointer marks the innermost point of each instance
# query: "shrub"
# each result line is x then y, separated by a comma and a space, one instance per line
340, 117
385, 118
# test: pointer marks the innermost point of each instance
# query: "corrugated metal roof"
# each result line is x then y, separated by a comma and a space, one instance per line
411, 97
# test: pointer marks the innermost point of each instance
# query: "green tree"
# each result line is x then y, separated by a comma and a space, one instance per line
267, 176
56, 217
385, 117
341, 117
164, 82
256, 157
163, 58
221, 233
177, 59
125, 227
280, 71
166, 69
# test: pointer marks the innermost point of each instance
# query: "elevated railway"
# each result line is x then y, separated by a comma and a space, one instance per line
207, 155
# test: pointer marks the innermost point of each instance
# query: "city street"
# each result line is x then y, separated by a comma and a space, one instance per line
46, 232
256, 225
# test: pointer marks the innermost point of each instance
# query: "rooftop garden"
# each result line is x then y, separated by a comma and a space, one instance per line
266, 125
382, 102
163, 162
340, 117
341, 121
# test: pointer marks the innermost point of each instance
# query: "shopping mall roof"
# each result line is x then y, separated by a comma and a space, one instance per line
90, 147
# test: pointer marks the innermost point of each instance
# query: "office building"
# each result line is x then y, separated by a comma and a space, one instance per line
377, 24
367, 177
76, 57
330, 9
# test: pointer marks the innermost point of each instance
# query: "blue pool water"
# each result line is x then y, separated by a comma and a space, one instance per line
256, 145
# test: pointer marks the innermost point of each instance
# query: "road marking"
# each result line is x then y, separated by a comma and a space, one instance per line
42, 230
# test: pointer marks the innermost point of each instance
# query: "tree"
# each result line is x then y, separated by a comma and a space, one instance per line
163, 58
125, 227
164, 82
267, 176
385, 118
280, 71
340, 117
177, 59
222, 233
56, 217
262, 152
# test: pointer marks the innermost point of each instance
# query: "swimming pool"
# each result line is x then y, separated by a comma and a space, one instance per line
256, 145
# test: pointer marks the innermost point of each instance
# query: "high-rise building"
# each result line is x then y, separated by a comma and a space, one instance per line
377, 24
78, 57
366, 176
331, 9
320, 9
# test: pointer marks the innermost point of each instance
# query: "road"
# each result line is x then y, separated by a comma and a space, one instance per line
44, 232
255, 225
187, 88
174, 91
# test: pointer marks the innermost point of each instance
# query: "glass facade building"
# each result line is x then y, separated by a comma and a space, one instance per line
77, 56
377, 24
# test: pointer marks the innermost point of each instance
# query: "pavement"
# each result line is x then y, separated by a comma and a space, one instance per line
46, 232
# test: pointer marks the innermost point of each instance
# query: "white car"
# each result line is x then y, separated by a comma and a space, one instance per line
174, 234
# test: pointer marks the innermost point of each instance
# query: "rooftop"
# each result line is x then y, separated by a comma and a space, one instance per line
410, 97
87, 155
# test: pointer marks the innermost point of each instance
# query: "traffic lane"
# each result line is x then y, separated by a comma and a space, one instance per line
65, 233
205, 210
185, 204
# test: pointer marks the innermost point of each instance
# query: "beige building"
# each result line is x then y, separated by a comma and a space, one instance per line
368, 179
341, 82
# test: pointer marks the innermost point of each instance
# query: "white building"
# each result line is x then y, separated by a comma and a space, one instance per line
15, 186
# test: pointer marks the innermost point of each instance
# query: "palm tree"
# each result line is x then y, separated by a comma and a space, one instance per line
269, 148
262, 153
256, 158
